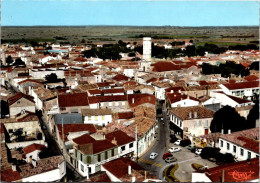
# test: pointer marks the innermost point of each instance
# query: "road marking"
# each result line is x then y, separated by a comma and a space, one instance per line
151, 162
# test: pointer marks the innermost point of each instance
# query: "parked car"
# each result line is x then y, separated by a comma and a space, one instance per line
177, 142
185, 142
190, 147
198, 151
174, 149
166, 155
153, 155
170, 159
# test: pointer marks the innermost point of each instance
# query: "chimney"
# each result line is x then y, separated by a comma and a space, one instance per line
200, 104
133, 100
114, 141
145, 175
195, 115
179, 91
229, 131
171, 91
190, 115
223, 176
129, 170
222, 131
34, 163
14, 167
133, 179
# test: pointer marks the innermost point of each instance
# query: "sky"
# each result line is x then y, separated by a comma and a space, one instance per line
129, 12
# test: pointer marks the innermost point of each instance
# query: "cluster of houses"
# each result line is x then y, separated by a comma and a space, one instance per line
103, 113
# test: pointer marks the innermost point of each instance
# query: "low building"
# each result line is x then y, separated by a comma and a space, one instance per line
242, 144
129, 171
191, 122
100, 117
20, 102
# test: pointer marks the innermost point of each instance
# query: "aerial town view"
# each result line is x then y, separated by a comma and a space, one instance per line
129, 91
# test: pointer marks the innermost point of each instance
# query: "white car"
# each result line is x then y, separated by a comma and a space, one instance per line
198, 151
153, 155
174, 149
177, 142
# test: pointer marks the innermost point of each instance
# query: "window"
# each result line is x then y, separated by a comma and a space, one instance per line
98, 158
80, 157
131, 145
63, 108
89, 169
89, 159
123, 148
199, 122
180, 123
234, 149
89, 118
82, 168
103, 117
10, 131
242, 152
96, 118
221, 143
248, 155
18, 102
227, 146
106, 155
206, 123
112, 152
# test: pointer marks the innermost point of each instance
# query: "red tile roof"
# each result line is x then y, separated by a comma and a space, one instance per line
67, 128
94, 146
175, 89
97, 99
184, 112
33, 147
100, 177
9, 175
140, 99
248, 139
114, 90
235, 172
30, 80
120, 77
176, 97
84, 139
112, 166
251, 78
242, 85
18, 96
121, 137
165, 66
125, 115
75, 99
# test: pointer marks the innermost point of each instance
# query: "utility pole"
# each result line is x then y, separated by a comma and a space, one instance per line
136, 138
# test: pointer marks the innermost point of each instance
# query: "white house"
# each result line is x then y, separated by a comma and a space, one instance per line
100, 117
46, 58
242, 144
242, 89
179, 99
230, 100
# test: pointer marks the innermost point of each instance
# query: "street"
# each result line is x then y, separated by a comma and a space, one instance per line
184, 157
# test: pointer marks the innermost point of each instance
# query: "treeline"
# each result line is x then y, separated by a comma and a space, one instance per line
225, 70
108, 51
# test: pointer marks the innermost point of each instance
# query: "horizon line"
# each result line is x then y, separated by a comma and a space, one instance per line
127, 26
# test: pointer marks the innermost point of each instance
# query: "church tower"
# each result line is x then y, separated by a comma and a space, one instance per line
147, 54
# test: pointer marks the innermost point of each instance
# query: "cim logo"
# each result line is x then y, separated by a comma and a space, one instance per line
241, 176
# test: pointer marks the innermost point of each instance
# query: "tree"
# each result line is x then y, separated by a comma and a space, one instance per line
227, 118
51, 78
254, 66
9, 60
253, 116
19, 62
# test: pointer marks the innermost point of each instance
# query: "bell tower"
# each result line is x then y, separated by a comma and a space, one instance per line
147, 54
